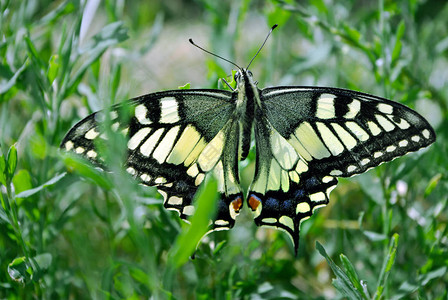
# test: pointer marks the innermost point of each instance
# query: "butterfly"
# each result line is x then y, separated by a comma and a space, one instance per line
305, 137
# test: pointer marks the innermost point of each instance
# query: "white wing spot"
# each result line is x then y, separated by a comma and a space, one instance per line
140, 114
357, 131
151, 142
385, 108
165, 146
301, 167
221, 223
131, 171
199, 179
374, 129
365, 161
113, 115
193, 170
327, 179
325, 106
353, 109
403, 124
189, 210
168, 110
336, 173
385, 123
351, 168
403, 143
270, 220
426, 133
115, 126
69, 145
378, 154
91, 154
302, 207
287, 221
79, 150
330, 140
316, 197
91, 134
391, 148
415, 138
160, 180
145, 177
174, 200
348, 140
138, 137
294, 176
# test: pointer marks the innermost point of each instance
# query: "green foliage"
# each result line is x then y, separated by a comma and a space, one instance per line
69, 230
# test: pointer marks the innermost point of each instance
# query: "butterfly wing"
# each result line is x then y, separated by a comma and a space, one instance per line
174, 139
307, 136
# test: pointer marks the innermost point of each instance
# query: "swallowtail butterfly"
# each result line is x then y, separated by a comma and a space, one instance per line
305, 137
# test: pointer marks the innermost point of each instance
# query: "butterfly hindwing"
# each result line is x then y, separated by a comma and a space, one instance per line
174, 139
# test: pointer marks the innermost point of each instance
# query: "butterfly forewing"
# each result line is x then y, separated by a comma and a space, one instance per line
174, 139
345, 132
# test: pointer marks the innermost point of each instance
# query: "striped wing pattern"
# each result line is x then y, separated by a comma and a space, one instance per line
307, 136
174, 139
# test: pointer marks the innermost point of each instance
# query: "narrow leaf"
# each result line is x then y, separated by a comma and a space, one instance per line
342, 283
35, 190
12, 161
387, 266
188, 240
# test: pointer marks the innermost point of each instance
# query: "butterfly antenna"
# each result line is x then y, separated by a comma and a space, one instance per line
270, 31
215, 55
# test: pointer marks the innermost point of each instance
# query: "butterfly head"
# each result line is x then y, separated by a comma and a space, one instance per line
243, 77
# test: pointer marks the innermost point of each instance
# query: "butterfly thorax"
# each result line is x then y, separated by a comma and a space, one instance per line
246, 93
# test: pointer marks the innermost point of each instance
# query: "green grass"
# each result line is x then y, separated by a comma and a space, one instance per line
71, 231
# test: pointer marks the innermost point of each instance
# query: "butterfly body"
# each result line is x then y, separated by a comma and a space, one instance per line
305, 137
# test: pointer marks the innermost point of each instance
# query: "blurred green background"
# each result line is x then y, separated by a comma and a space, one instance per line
70, 231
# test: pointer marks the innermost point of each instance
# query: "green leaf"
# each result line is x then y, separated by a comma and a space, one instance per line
389, 261
432, 184
3, 215
410, 286
21, 182
19, 271
374, 236
82, 167
184, 87
353, 276
6, 86
12, 161
30, 192
109, 36
186, 243
342, 282
43, 262
2, 170
53, 68
398, 45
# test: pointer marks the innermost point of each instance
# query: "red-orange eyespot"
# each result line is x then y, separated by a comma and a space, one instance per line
254, 203
237, 203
